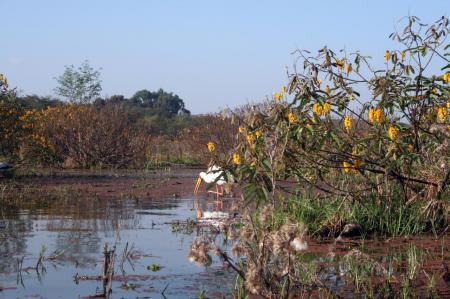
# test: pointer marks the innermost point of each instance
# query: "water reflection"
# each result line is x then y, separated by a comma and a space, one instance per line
78, 228
12, 240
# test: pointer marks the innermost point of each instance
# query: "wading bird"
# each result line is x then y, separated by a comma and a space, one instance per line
214, 174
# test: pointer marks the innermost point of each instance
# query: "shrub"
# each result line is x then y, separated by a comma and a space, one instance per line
83, 136
10, 112
320, 131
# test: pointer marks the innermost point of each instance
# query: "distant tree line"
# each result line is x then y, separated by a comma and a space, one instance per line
157, 112
81, 129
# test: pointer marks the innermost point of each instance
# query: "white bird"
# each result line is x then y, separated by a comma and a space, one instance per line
214, 174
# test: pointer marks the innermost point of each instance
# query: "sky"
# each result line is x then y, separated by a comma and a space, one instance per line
213, 54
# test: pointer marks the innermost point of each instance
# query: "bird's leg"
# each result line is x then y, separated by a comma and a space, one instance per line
197, 185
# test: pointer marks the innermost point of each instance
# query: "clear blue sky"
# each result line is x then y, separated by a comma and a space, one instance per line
212, 54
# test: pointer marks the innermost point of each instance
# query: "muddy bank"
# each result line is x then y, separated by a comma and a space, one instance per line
103, 184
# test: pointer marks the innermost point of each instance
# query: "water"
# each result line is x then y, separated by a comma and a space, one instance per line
76, 231
74, 225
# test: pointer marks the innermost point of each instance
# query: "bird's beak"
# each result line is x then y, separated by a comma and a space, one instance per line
197, 185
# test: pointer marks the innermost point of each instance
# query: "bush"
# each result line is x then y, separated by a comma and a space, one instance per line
82, 136
10, 112
319, 132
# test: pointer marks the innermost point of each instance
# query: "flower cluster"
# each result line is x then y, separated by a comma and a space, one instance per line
393, 133
320, 110
348, 123
376, 116
292, 118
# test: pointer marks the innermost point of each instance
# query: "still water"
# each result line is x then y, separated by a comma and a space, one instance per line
73, 234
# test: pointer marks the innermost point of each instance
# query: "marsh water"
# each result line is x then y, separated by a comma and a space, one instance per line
67, 219
72, 234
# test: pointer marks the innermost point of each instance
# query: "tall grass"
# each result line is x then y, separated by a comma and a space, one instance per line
372, 215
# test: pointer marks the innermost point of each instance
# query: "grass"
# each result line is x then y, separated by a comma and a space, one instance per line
374, 216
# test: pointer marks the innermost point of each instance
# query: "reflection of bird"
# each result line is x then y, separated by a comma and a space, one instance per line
213, 175
214, 218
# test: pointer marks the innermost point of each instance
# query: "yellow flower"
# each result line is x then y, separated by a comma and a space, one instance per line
236, 159
357, 163
283, 89
348, 123
317, 108
371, 115
326, 108
340, 63
387, 55
348, 68
393, 133
442, 113
211, 146
327, 89
410, 147
278, 96
258, 133
319, 82
347, 166
292, 117
448, 104
250, 138
376, 115
309, 126
379, 115
434, 90
446, 77
403, 55
241, 129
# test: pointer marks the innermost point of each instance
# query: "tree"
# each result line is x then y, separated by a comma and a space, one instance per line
160, 102
79, 85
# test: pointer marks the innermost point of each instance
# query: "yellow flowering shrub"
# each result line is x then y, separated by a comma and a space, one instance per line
400, 131
10, 123
81, 136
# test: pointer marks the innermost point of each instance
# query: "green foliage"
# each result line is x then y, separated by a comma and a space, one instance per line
79, 85
328, 216
159, 103
30, 102
387, 156
10, 124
